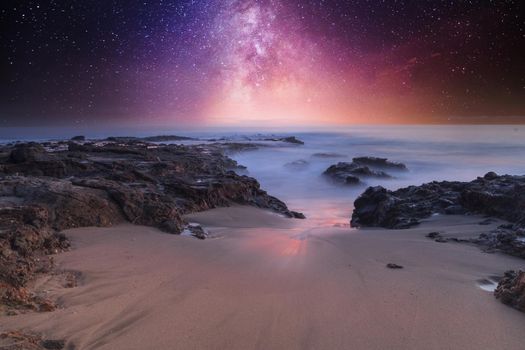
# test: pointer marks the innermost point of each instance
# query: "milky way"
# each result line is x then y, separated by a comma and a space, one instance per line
256, 62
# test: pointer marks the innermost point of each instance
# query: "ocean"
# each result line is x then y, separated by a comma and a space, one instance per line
431, 153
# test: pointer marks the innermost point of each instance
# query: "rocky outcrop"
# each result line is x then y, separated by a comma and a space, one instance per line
381, 163
497, 196
17, 340
360, 168
100, 184
328, 155
511, 289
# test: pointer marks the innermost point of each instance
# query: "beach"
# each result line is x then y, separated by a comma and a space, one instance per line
264, 281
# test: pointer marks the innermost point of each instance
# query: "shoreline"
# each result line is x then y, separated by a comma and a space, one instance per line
259, 279
281, 286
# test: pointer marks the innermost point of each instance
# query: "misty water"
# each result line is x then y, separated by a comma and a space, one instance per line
430, 153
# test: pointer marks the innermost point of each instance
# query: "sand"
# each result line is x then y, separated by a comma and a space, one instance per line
267, 282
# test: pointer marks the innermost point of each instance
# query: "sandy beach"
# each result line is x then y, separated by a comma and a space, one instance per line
266, 282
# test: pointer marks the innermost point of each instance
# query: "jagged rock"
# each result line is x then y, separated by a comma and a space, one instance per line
195, 230
292, 139
378, 207
379, 163
78, 138
350, 173
511, 289
502, 197
361, 167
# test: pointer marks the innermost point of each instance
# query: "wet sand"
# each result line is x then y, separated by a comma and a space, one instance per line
266, 282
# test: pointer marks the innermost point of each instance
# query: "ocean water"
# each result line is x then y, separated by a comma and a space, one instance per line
430, 153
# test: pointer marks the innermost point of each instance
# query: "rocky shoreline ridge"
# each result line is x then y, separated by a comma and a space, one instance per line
497, 196
352, 173
49, 187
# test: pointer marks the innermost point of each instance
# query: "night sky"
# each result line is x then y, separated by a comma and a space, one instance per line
267, 62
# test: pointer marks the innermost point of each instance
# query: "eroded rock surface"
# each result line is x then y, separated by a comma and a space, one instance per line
361, 168
497, 196
511, 289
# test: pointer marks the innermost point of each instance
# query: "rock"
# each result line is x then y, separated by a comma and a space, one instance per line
102, 183
328, 155
350, 173
502, 197
503, 240
27, 152
78, 138
351, 180
379, 163
361, 167
378, 207
433, 235
394, 266
297, 215
292, 139
511, 289
195, 230
16, 340
490, 176
53, 344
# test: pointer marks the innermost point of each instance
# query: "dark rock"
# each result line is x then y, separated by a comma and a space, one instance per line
78, 138
328, 155
53, 344
511, 289
350, 173
27, 152
433, 235
379, 163
506, 241
394, 266
351, 180
292, 139
297, 215
196, 231
378, 207
490, 175
502, 197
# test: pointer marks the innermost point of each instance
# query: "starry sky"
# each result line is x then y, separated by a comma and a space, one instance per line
261, 62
